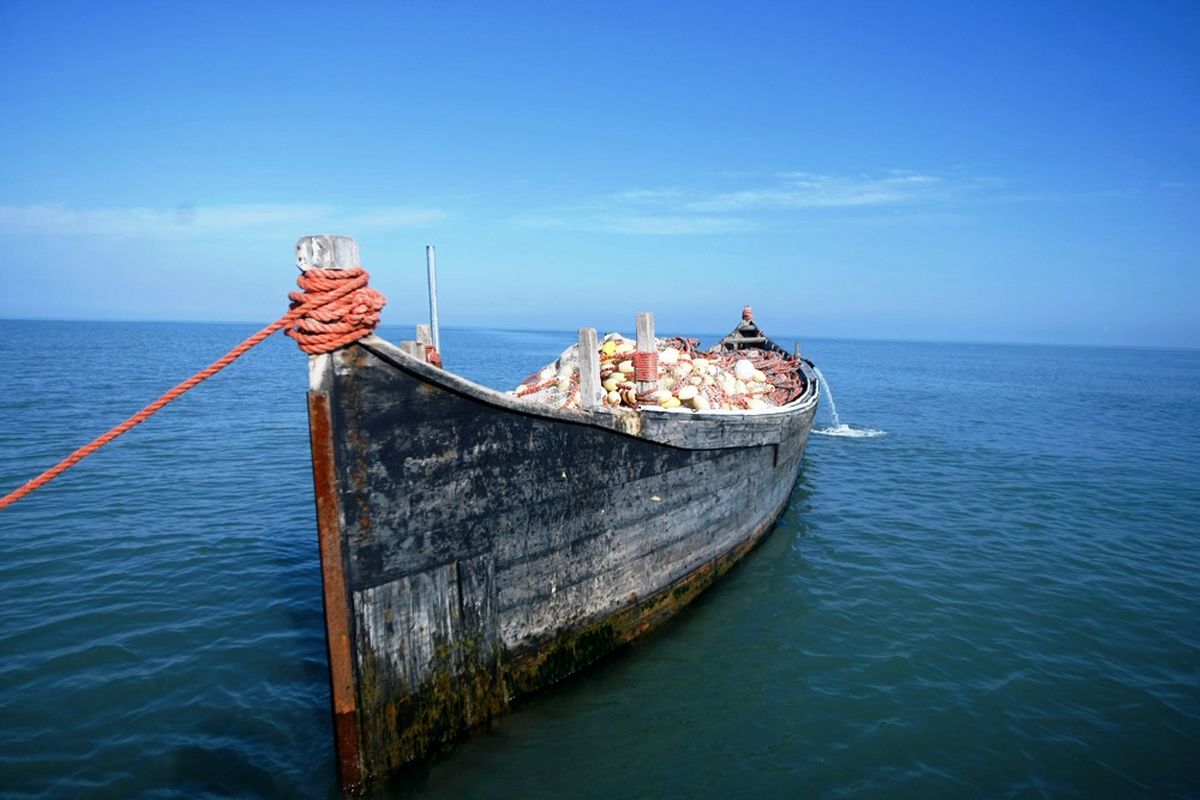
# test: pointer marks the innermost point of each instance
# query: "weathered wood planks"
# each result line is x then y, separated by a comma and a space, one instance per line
490, 546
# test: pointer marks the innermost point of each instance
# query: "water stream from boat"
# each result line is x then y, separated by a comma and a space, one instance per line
837, 428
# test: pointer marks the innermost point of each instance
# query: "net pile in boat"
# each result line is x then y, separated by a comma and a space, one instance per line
690, 378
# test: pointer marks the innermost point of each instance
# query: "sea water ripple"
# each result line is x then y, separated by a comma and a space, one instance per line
997, 597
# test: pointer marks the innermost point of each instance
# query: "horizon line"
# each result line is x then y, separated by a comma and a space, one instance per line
881, 339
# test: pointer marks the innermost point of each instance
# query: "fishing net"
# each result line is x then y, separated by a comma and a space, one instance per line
687, 377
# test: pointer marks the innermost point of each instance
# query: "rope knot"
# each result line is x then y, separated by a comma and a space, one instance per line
334, 308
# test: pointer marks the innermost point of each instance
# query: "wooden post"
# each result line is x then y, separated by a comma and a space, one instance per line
589, 370
324, 252
796, 350
428, 351
431, 266
327, 252
645, 344
332, 252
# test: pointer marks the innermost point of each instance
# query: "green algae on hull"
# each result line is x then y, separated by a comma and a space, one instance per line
425, 724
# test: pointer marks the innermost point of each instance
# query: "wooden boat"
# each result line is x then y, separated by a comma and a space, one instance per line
475, 547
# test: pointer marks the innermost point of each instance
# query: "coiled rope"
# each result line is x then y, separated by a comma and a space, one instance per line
334, 308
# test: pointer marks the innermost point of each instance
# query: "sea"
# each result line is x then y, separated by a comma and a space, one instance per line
986, 584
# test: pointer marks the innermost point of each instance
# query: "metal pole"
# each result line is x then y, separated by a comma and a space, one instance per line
431, 262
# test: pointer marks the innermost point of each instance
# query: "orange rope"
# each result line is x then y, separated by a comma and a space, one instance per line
335, 308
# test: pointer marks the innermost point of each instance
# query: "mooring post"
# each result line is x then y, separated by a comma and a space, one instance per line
645, 361
332, 252
425, 341
327, 252
428, 351
431, 266
324, 252
414, 349
423, 335
589, 370
796, 350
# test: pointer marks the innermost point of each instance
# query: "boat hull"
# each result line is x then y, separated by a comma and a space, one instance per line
475, 548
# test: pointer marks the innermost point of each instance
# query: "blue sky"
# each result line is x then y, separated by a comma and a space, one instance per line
953, 171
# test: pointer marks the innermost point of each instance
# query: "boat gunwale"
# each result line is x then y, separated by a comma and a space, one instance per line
628, 423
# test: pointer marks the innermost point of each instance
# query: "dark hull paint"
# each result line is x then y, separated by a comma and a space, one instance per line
475, 548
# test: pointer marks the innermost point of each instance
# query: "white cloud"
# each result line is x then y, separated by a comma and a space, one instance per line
640, 224
662, 211
805, 190
188, 220
673, 211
